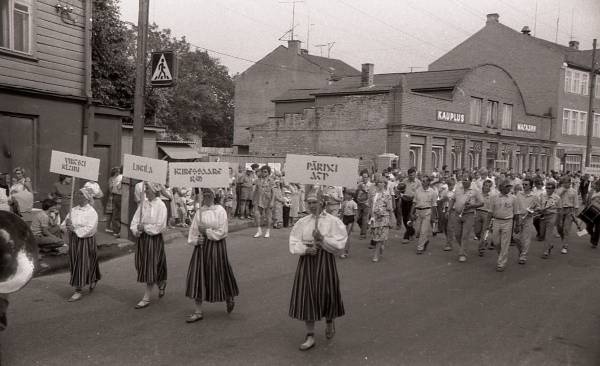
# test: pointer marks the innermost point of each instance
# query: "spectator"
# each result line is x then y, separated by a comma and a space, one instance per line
45, 227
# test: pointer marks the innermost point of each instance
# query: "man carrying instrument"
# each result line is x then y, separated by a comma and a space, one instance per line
568, 204
462, 211
527, 203
593, 228
482, 216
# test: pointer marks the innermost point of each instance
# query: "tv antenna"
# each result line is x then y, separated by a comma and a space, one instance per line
329, 47
293, 2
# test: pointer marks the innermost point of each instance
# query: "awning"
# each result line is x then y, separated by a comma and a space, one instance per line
183, 152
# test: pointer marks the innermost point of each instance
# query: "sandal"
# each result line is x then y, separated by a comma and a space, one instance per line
194, 318
309, 342
161, 289
230, 306
142, 304
329, 329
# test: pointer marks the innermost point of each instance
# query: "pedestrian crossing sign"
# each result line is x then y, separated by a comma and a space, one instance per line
164, 69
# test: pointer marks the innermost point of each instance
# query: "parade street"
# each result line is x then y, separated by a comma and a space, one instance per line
404, 310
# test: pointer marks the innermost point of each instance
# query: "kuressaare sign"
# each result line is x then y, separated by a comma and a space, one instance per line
207, 175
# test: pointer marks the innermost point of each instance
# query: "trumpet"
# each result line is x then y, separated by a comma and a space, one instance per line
464, 206
18, 253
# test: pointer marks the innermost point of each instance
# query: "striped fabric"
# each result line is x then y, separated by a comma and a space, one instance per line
316, 291
83, 261
217, 277
150, 259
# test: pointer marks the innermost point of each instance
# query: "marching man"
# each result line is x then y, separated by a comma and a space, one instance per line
528, 202
504, 208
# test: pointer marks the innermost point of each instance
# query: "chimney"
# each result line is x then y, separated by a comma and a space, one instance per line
493, 18
574, 45
366, 75
526, 31
294, 46
303, 51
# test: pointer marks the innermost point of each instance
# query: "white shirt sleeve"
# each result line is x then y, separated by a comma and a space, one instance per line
135, 221
217, 228
194, 232
334, 233
296, 244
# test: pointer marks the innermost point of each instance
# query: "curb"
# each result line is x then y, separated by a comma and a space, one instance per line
118, 248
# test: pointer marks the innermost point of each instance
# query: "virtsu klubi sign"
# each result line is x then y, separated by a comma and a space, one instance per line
73, 165
322, 170
206, 175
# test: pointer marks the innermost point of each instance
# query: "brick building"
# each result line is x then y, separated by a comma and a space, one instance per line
280, 70
428, 119
554, 81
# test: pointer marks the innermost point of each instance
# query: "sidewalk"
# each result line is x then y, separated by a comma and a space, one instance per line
110, 247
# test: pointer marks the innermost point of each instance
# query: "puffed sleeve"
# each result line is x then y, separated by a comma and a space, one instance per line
87, 225
296, 244
220, 231
194, 233
334, 239
135, 222
158, 220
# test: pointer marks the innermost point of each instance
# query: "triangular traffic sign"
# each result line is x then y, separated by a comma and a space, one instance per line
162, 72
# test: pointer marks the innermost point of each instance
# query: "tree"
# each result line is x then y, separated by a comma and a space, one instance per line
113, 71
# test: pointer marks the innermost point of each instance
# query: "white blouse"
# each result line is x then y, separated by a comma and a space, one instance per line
214, 219
84, 220
332, 229
154, 217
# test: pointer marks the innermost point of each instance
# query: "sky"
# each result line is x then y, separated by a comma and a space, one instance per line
394, 35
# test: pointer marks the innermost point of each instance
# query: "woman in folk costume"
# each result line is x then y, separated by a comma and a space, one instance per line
382, 208
317, 238
209, 266
81, 224
94, 187
150, 258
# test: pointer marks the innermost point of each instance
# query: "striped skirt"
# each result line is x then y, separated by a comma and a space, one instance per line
209, 267
150, 259
316, 291
83, 261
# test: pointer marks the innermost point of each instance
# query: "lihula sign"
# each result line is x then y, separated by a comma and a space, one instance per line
206, 175
73, 165
322, 170
145, 169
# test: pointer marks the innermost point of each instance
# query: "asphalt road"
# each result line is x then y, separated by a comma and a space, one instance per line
404, 310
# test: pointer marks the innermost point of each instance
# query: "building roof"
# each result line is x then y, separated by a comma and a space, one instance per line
335, 66
434, 80
352, 85
296, 95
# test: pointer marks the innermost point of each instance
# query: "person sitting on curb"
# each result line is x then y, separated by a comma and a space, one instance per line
45, 227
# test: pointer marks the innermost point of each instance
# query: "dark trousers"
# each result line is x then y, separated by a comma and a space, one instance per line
594, 230
286, 216
115, 216
405, 207
363, 219
398, 212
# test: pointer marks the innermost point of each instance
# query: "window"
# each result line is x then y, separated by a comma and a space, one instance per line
597, 88
585, 89
565, 123
15, 25
595, 161
507, 116
574, 123
582, 126
596, 128
577, 82
491, 118
572, 163
475, 116
415, 155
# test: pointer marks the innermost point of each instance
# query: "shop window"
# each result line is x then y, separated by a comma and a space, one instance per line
572, 163
475, 111
437, 157
595, 162
416, 157
507, 110
491, 118
15, 25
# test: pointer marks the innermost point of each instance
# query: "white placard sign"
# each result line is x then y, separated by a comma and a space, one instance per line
146, 169
74, 165
207, 175
323, 170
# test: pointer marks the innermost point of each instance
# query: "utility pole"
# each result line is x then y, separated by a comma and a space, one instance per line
590, 126
140, 79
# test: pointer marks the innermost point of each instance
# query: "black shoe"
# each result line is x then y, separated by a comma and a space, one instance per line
329, 329
230, 306
161, 289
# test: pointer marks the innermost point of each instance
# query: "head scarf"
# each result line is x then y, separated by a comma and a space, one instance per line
88, 194
208, 191
154, 187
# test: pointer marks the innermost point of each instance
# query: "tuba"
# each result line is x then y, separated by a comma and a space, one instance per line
18, 253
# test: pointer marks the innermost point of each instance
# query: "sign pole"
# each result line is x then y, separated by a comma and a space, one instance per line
72, 193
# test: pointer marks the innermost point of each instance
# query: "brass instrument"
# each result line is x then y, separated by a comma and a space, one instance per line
18, 253
465, 204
